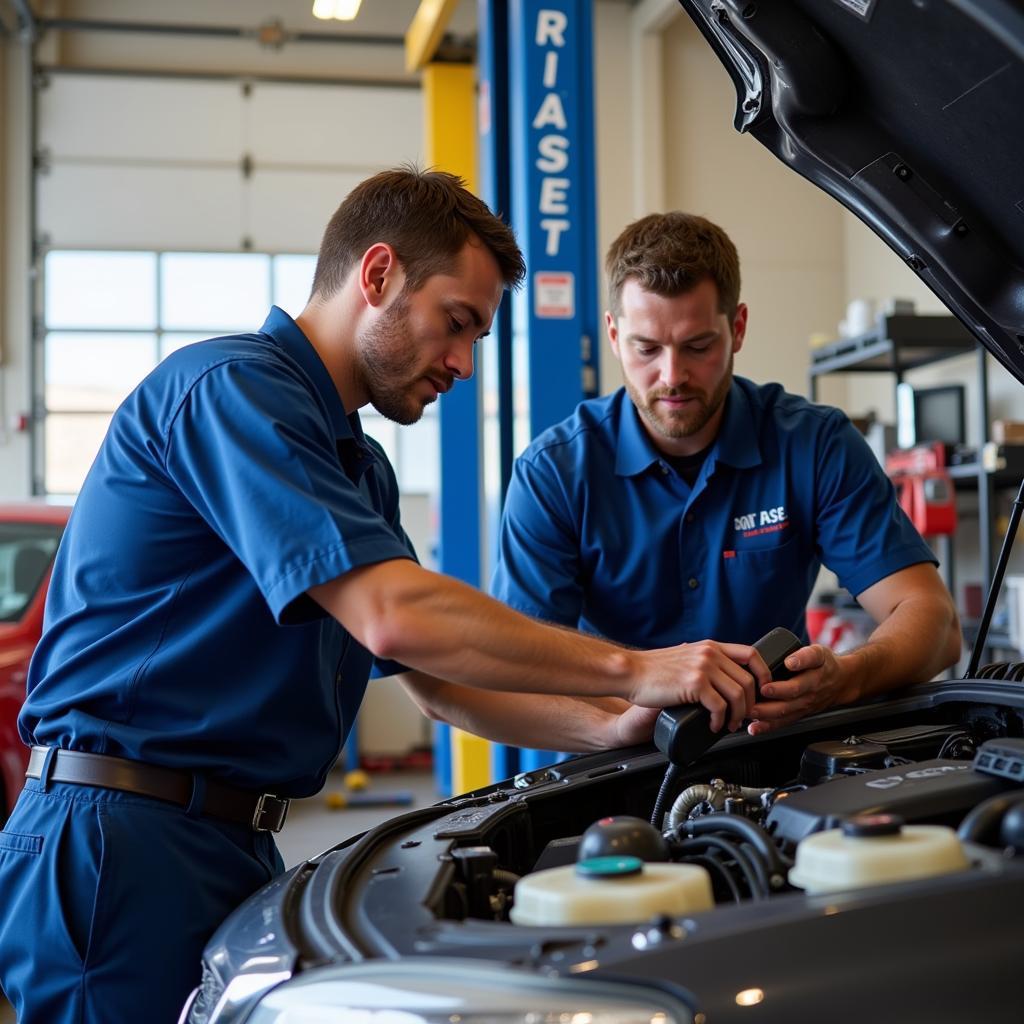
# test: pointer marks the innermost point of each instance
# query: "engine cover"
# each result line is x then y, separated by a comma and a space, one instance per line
940, 791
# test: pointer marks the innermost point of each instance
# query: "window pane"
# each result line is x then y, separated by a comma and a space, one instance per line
293, 279
214, 291
72, 441
100, 289
420, 471
95, 371
384, 432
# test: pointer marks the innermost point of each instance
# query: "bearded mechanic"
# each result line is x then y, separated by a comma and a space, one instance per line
234, 564
696, 506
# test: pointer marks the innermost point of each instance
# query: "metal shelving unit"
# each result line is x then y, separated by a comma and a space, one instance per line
903, 342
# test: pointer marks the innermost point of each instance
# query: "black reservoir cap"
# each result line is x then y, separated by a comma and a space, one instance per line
867, 826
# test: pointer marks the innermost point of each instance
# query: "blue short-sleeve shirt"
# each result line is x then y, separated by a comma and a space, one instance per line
178, 630
599, 532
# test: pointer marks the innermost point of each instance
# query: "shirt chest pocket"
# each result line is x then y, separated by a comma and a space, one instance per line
762, 566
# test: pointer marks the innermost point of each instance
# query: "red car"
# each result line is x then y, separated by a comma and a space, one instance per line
29, 535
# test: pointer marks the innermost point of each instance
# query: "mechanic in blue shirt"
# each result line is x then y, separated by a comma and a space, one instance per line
234, 563
695, 506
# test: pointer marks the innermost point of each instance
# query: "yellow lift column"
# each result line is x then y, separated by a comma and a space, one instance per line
449, 106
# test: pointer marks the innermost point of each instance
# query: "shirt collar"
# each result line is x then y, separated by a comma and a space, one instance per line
736, 444
635, 451
737, 439
287, 333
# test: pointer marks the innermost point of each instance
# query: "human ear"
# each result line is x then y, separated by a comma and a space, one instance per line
739, 327
380, 274
611, 328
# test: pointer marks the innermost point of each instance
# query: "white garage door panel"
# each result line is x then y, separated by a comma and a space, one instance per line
133, 207
288, 210
119, 118
364, 127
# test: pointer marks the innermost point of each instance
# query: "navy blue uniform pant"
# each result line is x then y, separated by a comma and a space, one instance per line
107, 900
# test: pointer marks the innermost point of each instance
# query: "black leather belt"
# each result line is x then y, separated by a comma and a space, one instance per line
262, 812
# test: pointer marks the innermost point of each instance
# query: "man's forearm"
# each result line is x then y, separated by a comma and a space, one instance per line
573, 724
917, 641
452, 631
446, 629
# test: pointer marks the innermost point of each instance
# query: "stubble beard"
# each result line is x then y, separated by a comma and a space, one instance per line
387, 362
676, 424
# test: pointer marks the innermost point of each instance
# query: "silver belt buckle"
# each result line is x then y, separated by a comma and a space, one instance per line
270, 813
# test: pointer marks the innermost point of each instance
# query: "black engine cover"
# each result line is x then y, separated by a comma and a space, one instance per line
938, 791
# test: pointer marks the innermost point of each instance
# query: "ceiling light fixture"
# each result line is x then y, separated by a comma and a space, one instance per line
340, 10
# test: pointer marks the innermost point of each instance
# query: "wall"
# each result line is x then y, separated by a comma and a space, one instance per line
614, 100
14, 315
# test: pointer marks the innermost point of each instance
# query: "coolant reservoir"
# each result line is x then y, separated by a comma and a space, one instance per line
610, 890
875, 850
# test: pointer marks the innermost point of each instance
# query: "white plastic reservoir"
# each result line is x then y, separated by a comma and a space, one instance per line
610, 890
875, 850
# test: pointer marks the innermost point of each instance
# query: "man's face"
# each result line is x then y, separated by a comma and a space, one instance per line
421, 343
676, 355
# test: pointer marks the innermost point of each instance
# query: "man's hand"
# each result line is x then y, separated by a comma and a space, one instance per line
718, 676
634, 725
817, 683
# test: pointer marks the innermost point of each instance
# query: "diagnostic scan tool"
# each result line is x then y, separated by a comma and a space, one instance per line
683, 733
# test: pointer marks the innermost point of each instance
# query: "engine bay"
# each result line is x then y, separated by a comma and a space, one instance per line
935, 766
747, 836
864, 839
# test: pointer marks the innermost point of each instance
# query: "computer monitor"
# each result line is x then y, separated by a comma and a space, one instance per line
929, 414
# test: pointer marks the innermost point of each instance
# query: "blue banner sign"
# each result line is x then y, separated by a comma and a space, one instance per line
553, 209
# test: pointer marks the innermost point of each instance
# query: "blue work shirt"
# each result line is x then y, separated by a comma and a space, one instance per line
178, 630
599, 532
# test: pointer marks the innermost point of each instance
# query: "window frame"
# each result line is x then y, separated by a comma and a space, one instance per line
40, 411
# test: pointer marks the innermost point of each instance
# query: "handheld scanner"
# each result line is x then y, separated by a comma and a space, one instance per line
683, 733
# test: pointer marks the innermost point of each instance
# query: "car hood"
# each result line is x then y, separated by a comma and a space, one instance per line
911, 114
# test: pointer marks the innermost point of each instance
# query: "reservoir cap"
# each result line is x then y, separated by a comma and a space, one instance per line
864, 826
609, 867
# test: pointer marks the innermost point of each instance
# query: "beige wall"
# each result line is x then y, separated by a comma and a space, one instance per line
616, 166
14, 316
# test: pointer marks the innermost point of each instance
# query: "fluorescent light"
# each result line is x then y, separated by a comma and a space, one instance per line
341, 10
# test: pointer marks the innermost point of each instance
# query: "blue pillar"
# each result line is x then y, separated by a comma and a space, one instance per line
496, 358
552, 159
553, 206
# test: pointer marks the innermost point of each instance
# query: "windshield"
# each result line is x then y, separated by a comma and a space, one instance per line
26, 551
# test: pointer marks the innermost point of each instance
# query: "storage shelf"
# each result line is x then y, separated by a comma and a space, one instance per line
903, 342
898, 343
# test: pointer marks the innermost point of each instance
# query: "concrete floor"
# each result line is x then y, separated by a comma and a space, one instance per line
313, 826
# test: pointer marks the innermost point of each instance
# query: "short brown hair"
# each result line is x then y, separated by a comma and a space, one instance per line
426, 216
670, 253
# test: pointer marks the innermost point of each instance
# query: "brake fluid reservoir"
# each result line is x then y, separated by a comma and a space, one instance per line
875, 850
610, 890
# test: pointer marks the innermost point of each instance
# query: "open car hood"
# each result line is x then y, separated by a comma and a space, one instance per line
911, 114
